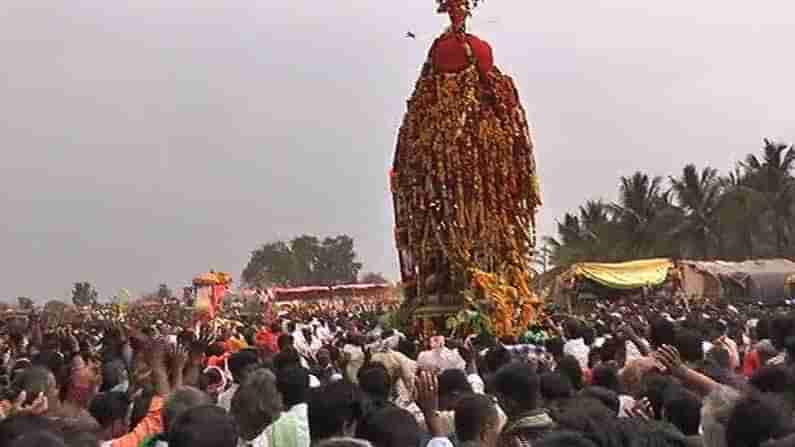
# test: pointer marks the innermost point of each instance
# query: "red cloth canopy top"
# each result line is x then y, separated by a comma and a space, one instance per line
449, 53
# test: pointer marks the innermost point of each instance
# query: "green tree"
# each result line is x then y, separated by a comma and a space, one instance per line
740, 211
542, 257
25, 303
373, 278
83, 294
337, 261
748, 214
567, 248
55, 308
306, 251
636, 226
303, 261
644, 214
599, 231
163, 292
590, 235
698, 197
271, 264
771, 177
122, 297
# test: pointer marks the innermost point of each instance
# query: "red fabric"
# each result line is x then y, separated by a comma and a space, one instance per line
218, 295
268, 339
82, 389
751, 363
449, 54
218, 360
587, 376
205, 303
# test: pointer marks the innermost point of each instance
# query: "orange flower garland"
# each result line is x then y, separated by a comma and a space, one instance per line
465, 191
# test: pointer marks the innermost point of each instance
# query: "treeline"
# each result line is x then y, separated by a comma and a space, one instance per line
697, 214
305, 261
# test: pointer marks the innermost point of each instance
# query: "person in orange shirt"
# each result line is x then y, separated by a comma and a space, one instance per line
758, 357
151, 424
235, 344
268, 338
179, 402
217, 355
113, 411
156, 373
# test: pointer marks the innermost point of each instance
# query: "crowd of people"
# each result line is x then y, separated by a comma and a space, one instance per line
622, 373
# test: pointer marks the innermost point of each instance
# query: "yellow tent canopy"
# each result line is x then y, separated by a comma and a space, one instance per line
625, 275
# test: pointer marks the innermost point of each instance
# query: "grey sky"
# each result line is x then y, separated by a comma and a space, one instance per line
146, 141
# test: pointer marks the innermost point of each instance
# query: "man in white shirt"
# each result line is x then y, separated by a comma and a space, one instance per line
299, 341
575, 344
292, 428
439, 357
236, 365
225, 398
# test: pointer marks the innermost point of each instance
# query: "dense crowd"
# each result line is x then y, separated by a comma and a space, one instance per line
621, 373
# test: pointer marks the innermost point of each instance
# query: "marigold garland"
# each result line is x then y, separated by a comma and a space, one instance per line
465, 193
444, 5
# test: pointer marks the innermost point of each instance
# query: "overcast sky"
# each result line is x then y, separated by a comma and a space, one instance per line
147, 141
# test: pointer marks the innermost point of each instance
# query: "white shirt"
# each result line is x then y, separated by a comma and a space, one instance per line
633, 352
356, 360
443, 359
385, 344
625, 404
439, 442
300, 342
448, 420
157, 444
297, 416
314, 346
323, 333
301, 412
314, 382
579, 350
476, 383
225, 398
263, 440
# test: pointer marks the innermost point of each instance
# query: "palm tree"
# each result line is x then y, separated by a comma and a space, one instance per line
567, 248
771, 176
542, 256
749, 213
587, 236
600, 231
595, 214
698, 197
739, 211
643, 213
